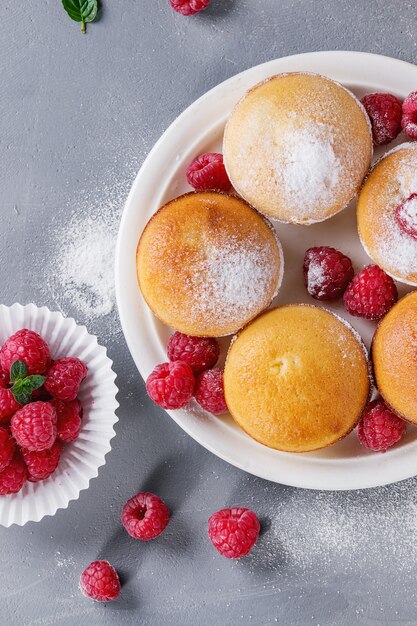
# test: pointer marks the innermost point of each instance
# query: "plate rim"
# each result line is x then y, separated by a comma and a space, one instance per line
340, 482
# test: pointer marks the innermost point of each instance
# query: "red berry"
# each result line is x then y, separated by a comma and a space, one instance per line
42, 464
371, 294
209, 391
7, 448
406, 216
4, 378
64, 378
145, 516
68, 419
34, 426
189, 7
379, 427
100, 582
171, 385
385, 112
409, 118
13, 477
233, 532
27, 346
199, 352
327, 272
8, 405
208, 172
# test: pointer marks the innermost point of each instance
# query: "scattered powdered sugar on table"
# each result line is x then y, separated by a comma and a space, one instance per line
311, 169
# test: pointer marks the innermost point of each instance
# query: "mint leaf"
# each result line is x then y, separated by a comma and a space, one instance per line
81, 11
23, 388
34, 382
18, 370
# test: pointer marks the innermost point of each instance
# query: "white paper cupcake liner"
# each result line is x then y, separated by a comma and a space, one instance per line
81, 459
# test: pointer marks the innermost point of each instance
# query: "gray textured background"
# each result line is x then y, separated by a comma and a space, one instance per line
78, 115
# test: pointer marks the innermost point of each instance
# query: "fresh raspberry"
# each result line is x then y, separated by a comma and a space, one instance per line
189, 7
42, 464
145, 516
171, 385
327, 272
64, 378
371, 294
209, 391
409, 118
34, 426
379, 427
199, 352
68, 419
13, 477
233, 532
100, 582
208, 172
27, 346
4, 378
8, 405
7, 448
406, 216
385, 112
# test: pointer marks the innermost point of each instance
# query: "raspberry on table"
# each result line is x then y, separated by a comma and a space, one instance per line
385, 111
208, 172
64, 377
171, 385
100, 581
200, 353
409, 117
68, 419
26, 346
406, 216
13, 477
327, 272
145, 516
371, 294
34, 426
41, 465
189, 7
209, 391
8, 405
233, 532
379, 428
7, 448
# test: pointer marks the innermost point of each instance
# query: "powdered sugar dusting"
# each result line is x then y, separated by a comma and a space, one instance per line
311, 169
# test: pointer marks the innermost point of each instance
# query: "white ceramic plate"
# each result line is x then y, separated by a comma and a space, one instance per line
345, 465
81, 459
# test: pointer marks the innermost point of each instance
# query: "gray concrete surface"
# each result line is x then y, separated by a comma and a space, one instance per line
78, 115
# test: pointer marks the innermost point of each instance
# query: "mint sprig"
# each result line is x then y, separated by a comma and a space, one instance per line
83, 11
24, 385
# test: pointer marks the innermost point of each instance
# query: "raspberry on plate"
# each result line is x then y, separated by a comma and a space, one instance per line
34, 426
8, 404
207, 172
64, 377
189, 7
100, 581
209, 391
327, 272
68, 419
371, 294
379, 428
13, 477
42, 464
233, 532
200, 353
409, 118
171, 385
406, 216
7, 448
145, 516
26, 346
385, 111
